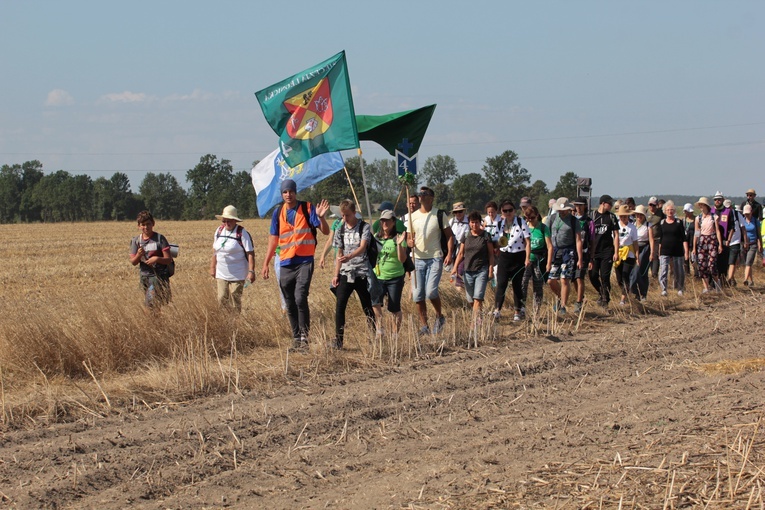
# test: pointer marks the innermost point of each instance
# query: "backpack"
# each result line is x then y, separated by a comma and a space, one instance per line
372, 249
169, 268
237, 234
444, 239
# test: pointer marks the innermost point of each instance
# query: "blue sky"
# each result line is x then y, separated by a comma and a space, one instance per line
645, 97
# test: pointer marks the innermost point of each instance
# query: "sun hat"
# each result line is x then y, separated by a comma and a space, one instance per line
624, 210
747, 209
385, 206
705, 201
606, 199
688, 207
562, 204
718, 196
229, 213
653, 201
288, 184
750, 190
641, 210
387, 214
458, 206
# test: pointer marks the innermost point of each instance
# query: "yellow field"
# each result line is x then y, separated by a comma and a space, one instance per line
71, 312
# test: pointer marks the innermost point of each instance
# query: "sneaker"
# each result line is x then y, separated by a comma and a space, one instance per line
622, 303
680, 293
556, 306
732, 282
299, 345
748, 283
705, 291
495, 315
516, 317
577, 307
664, 293
439, 325
523, 312
424, 331
562, 310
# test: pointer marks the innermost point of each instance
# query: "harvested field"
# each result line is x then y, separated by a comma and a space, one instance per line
655, 407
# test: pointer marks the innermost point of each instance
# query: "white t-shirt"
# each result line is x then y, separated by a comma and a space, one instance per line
736, 237
516, 235
627, 237
427, 236
459, 227
492, 226
230, 255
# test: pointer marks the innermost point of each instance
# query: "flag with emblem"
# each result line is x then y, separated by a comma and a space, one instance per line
312, 111
402, 131
268, 174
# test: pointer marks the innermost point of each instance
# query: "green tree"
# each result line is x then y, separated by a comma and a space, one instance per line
506, 177
566, 186
122, 197
438, 172
102, 199
210, 187
163, 196
243, 195
382, 180
539, 194
335, 188
10, 193
471, 189
31, 174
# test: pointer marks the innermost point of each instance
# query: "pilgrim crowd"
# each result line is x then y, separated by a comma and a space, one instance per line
502, 248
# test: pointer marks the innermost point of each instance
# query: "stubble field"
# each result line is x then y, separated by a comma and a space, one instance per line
106, 406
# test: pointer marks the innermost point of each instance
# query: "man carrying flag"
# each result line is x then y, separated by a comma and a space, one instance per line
293, 229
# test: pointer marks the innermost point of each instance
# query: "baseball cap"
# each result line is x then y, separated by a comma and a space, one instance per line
385, 206
688, 207
387, 214
653, 201
606, 199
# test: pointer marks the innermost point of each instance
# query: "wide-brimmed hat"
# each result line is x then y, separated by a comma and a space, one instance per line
624, 210
704, 201
641, 210
562, 204
750, 190
229, 213
458, 206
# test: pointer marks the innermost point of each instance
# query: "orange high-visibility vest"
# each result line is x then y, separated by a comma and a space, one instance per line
296, 240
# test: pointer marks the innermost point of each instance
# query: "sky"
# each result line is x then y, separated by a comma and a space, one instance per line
644, 97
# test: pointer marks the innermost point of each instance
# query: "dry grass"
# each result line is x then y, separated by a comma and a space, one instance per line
75, 337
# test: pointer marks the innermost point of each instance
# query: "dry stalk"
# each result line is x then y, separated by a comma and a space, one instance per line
93, 376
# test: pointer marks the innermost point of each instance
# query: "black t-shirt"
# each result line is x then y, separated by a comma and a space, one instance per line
672, 238
476, 251
604, 226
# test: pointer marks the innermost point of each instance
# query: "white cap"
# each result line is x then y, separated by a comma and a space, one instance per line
688, 207
727, 202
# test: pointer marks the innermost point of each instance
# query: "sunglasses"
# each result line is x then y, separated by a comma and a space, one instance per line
508, 210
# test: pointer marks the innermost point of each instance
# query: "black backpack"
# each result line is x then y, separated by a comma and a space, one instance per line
372, 249
443, 238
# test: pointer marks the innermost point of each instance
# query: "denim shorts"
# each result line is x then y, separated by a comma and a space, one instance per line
563, 264
428, 273
475, 284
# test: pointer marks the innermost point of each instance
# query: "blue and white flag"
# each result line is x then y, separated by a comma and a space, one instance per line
268, 174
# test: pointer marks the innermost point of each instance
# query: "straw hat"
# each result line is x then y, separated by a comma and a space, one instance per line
750, 190
458, 206
641, 210
229, 213
624, 210
704, 201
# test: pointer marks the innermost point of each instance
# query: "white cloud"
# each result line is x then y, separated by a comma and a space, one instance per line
58, 97
124, 97
196, 95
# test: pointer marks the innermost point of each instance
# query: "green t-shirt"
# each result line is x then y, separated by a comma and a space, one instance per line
538, 243
388, 265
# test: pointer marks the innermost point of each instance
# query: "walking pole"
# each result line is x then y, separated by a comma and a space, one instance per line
411, 229
364, 183
355, 198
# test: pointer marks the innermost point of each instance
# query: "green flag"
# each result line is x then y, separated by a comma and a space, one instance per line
312, 111
402, 131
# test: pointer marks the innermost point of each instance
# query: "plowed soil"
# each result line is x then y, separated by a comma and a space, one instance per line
648, 410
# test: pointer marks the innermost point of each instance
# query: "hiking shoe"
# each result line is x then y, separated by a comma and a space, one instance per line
748, 283
577, 307
495, 315
622, 303
664, 293
705, 291
516, 317
523, 312
439, 325
299, 345
562, 310
680, 293
424, 331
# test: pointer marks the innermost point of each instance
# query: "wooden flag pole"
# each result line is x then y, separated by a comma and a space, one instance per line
399, 198
364, 183
411, 230
355, 198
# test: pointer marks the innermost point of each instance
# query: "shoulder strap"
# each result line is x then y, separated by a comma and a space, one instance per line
304, 206
518, 221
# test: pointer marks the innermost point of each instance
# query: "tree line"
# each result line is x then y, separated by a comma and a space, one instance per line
27, 194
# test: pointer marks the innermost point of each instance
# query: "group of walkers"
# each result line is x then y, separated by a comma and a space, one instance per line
506, 247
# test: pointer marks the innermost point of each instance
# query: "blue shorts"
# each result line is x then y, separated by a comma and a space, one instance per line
428, 273
563, 264
475, 284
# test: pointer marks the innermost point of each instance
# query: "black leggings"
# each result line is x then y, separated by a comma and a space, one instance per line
600, 277
343, 292
510, 269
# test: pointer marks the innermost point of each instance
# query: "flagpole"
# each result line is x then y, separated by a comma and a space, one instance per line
364, 183
355, 198
411, 230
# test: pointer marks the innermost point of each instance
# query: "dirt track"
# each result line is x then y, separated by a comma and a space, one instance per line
621, 415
